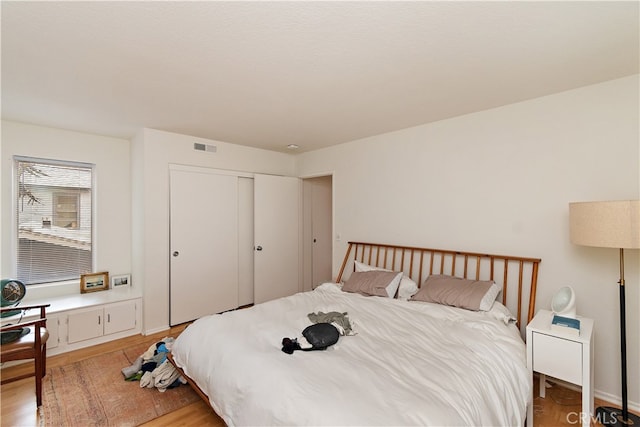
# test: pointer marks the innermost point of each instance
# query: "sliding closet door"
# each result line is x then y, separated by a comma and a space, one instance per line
204, 244
277, 234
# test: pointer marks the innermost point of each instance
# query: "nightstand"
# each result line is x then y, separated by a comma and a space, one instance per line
563, 356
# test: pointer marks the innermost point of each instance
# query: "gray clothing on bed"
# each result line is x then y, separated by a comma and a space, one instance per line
340, 320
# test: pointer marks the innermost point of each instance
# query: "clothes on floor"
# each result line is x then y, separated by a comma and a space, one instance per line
153, 369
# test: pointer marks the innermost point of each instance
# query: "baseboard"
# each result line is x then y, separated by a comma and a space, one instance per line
607, 397
617, 400
156, 330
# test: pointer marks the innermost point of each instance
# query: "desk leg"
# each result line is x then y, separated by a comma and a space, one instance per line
543, 385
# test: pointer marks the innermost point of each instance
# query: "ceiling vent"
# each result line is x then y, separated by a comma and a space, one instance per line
204, 147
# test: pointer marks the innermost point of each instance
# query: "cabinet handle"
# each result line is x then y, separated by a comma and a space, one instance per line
109, 318
99, 319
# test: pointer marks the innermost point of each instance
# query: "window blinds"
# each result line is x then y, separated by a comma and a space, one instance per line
54, 204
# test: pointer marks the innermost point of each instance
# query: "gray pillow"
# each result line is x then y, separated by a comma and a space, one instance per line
374, 283
476, 295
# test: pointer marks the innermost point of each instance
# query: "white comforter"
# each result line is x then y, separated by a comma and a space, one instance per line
411, 363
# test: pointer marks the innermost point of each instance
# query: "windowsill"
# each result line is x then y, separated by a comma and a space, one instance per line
78, 300
44, 291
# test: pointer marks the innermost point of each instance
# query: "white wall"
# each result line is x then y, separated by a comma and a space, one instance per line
500, 181
113, 192
152, 152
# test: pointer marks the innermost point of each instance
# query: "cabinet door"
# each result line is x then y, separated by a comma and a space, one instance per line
119, 317
84, 324
53, 327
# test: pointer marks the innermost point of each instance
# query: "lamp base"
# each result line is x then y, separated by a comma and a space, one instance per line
610, 416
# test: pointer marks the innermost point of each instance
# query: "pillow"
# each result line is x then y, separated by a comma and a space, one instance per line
360, 267
476, 295
407, 287
376, 283
500, 312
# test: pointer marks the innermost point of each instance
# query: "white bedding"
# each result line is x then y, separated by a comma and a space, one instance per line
411, 363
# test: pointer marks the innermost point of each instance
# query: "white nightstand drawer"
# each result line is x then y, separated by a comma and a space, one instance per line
557, 357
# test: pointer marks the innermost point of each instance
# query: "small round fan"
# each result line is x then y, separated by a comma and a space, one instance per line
564, 302
11, 293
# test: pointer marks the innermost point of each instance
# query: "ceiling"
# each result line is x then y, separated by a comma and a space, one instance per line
268, 74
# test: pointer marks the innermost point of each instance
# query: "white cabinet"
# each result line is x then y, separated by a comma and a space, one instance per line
82, 320
85, 324
563, 356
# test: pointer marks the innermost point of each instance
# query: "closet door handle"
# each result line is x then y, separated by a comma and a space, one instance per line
176, 253
258, 248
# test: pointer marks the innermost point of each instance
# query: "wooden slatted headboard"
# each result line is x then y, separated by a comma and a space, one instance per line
418, 263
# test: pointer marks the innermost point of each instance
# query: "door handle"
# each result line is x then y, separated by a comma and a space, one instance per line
258, 248
176, 253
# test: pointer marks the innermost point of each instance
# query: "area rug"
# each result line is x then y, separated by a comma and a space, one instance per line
93, 392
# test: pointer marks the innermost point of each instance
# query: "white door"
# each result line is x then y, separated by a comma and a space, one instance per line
276, 237
204, 244
321, 230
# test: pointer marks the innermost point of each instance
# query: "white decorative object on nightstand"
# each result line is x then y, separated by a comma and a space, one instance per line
563, 356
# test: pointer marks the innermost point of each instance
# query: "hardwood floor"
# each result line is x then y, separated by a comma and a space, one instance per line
18, 406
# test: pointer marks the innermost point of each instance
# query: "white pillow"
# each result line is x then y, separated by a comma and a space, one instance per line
500, 312
329, 286
489, 298
407, 287
360, 267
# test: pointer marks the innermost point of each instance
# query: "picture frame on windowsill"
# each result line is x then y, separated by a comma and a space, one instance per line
94, 282
120, 280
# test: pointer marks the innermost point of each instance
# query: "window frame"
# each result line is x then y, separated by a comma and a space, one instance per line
14, 212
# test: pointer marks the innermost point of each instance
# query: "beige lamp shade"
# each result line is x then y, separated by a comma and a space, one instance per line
613, 224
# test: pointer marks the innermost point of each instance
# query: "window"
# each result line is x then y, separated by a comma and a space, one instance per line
65, 209
54, 201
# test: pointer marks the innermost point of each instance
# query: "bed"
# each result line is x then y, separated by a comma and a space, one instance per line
407, 362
